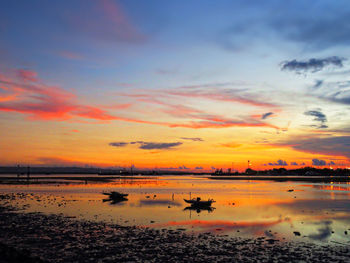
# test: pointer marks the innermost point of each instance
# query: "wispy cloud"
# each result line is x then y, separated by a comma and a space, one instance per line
118, 144
266, 115
231, 145
160, 146
198, 118
227, 95
332, 146
332, 91
70, 55
327, 27
148, 145
195, 139
312, 65
25, 93
110, 23
319, 117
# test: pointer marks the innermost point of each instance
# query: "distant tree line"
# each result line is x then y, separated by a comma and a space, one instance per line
308, 171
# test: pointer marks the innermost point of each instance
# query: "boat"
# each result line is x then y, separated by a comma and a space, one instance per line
116, 195
197, 202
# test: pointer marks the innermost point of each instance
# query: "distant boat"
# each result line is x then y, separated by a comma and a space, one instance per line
197, 202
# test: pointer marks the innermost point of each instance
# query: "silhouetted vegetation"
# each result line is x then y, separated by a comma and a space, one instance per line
305, 171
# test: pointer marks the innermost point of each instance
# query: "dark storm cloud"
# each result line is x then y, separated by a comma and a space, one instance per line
195, 139
118, 144
266, 115
158, 146
312, 65
319, 117
293, 163
338, 146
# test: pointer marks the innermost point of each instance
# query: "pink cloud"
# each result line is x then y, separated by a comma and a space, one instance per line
119, 106
220, 95
205, 120
108, 21
28, 75
222, 124
121, 23
25, 93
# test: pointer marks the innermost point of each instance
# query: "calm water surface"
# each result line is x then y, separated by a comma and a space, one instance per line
320, 212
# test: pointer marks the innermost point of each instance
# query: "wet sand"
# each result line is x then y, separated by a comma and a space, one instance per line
55, 238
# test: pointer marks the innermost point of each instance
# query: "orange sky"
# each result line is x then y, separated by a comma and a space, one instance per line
139, 86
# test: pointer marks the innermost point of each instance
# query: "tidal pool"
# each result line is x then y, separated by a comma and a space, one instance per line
299, 211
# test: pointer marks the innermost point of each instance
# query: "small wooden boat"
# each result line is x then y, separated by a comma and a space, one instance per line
116, 195
197, 202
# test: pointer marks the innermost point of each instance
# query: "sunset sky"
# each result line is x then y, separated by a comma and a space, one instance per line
185, 85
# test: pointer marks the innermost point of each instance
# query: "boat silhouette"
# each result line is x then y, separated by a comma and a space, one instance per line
115, 197
197, 202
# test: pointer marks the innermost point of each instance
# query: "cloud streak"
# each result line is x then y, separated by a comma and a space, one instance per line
148, 145
332, 146
118, 144
159, 146
195, 139
25, 93
266, 115
227, 95
312, 65
319, 117
110, 23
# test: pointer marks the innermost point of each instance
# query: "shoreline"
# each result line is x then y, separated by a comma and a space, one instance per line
97, 178
56, 238
284, 178
67, 179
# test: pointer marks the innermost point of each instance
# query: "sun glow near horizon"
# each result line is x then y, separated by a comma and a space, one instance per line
156, 91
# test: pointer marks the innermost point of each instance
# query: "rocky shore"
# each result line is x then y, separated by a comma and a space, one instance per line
35, 237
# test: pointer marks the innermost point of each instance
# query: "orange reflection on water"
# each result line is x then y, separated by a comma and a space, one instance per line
331, 187
253, 207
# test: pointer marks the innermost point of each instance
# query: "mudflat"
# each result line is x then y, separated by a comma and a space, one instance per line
36, 237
